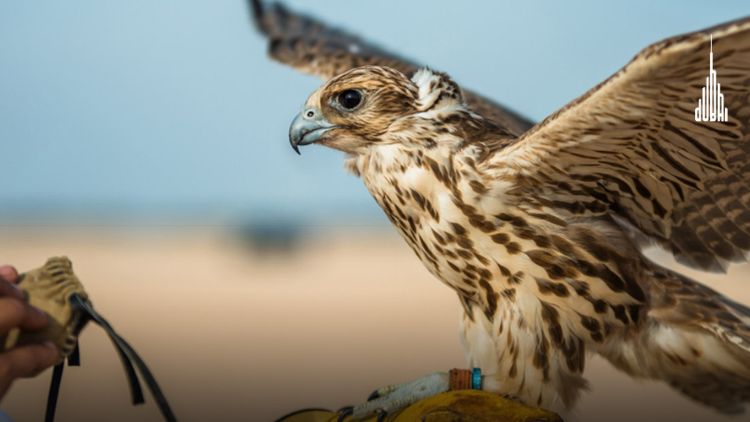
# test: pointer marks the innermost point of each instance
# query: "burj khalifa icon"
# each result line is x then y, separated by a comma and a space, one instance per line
711, 104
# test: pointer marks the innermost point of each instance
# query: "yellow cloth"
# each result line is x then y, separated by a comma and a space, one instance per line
463, 405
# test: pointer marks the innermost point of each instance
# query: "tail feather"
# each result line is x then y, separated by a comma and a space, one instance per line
693, 338
725, 392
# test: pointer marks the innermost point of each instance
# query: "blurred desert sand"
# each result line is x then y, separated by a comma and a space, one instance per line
237, 335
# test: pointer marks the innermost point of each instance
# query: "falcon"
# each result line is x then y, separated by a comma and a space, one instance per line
540, 228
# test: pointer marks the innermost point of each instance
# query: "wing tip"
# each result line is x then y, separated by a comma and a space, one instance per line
267, 17
272, 19
257, 11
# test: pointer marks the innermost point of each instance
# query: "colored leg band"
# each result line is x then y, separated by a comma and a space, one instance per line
460, 379
465, 379
476, 379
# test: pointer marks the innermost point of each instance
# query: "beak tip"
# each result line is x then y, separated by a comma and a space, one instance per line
295, 146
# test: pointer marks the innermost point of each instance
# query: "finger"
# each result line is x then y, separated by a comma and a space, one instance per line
9, 289
28, 360
8, 273
48, 356
15, 313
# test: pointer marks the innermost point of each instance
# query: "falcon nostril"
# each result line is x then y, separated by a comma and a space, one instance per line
310, 114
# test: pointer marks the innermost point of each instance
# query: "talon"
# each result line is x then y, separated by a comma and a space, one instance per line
344, 412
374, 395
382, 414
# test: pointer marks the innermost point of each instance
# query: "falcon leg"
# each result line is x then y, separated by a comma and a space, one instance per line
396, 397
384, 391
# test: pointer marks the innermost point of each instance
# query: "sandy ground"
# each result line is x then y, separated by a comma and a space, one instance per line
234, 335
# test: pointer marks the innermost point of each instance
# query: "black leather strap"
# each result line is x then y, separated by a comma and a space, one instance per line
75, 357
136, 392
54, 391
128, 356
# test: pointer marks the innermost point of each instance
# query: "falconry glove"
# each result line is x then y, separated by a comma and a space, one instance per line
56, 290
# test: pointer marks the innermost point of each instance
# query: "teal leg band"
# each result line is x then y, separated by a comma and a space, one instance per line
476, 379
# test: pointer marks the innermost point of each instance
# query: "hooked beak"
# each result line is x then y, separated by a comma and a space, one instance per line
308, 127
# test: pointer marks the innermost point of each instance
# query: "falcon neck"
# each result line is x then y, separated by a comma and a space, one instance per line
412, 142
393, 164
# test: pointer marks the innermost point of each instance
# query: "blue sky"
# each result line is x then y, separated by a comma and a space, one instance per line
172, 107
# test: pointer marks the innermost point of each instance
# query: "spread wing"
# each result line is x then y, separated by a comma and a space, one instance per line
313, 47
631, 148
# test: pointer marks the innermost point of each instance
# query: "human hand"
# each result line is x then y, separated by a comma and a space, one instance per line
27, 360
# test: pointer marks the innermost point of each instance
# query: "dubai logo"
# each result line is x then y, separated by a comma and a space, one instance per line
711, 104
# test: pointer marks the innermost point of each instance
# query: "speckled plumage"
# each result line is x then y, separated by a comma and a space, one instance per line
540, 232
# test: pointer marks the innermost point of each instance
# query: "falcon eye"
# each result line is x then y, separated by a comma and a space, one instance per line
350, 99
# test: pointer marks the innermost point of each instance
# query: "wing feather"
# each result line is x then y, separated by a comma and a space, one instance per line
633, 143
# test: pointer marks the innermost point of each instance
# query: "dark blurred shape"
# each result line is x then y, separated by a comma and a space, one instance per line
271, 236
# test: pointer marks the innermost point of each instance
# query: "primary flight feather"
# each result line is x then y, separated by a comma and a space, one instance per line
540, 230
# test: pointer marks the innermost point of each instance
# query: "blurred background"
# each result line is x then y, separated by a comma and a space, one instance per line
147, 141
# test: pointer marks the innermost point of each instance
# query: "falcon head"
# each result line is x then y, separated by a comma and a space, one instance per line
354, 111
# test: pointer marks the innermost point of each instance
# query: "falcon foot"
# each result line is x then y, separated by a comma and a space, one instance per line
392, 398
344, 412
